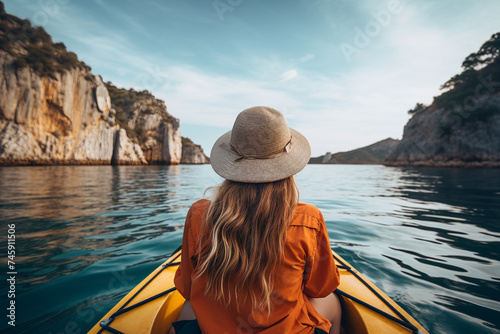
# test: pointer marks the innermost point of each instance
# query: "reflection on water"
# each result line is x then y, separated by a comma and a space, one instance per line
87, 235
83, 235
63, 213
429, 237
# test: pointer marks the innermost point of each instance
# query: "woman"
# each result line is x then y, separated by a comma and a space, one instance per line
254, 260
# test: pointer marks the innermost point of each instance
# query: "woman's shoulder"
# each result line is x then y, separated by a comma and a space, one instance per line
308, 209
196, 212
201, 204
307, 215
195, 216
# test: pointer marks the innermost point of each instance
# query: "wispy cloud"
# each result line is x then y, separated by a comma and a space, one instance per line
288, 75
116, 11
207, 70
201, 98
306, 58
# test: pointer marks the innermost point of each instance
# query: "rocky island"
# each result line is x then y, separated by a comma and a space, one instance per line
53, 110
373, 154
147, 122
461, 128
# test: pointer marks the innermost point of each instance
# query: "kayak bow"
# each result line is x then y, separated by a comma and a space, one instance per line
152, 306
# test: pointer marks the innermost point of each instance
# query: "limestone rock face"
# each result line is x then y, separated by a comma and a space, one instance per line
192, 153
54, 110
172, 143
102, 98
63, 118
126, 152
148, 124
17, 143
96, 144
436, 137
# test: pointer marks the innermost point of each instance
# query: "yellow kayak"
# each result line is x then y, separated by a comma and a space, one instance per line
154, 304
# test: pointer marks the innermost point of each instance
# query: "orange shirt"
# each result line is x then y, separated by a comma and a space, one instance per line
308, 270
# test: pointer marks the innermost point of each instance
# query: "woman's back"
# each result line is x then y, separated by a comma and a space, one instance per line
308, 270
253, 259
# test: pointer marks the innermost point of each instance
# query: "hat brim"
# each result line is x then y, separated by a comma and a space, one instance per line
225, 161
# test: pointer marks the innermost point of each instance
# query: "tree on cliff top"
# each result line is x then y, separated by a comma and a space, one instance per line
418, 107
479, 79
32, 46
487, 54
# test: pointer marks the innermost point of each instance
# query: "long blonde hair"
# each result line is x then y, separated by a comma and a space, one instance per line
246, 225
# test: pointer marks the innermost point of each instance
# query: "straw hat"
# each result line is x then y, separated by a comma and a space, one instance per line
260, 148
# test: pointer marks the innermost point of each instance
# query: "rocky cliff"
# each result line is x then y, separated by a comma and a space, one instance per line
148, 123
60, 119
437, 137
461, 128
192, 153
373, 154
54, 110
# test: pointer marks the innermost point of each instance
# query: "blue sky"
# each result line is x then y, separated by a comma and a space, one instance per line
344, 72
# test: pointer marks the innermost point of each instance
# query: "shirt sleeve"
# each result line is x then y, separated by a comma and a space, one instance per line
321, 274
182, 278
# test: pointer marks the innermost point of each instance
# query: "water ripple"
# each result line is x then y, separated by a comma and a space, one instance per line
86, 235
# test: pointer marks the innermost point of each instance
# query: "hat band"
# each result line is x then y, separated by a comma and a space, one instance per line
270, 155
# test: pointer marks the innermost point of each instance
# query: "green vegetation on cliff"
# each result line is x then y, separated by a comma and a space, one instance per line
32, 46
461, 128
418, 107
465, 95
128, 103
479, 79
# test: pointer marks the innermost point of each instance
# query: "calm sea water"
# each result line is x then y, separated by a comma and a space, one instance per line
85, 236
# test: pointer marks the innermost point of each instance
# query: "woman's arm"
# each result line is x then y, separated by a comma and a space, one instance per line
321, 276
